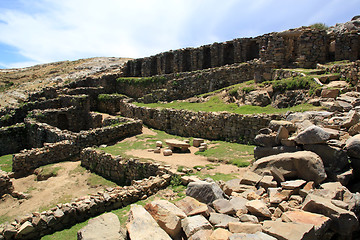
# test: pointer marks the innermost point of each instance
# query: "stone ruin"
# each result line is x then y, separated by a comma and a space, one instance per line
305, 177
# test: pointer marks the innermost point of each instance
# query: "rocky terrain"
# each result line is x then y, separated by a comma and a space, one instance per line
303, 184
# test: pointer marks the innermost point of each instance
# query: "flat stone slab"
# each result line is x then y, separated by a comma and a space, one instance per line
174, 143
105, 226
177, 143
142, 225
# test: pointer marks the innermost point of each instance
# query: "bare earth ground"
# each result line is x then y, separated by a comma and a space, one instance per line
69, 184
63, 188
185, 159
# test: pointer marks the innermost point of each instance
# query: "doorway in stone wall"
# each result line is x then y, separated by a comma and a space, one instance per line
252, 51
62, 121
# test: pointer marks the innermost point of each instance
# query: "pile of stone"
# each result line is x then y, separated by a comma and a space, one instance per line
331, 135
179, 146
257, 206
6, 185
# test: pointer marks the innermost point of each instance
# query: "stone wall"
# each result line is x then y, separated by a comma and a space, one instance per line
40, 133
109, 134
6, 186
188, 84
26, 161
303, 47
54, 145
36, 225
115, 168
349, 71
210, 125
13, 139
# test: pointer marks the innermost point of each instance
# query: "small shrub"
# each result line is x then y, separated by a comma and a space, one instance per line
319, 26
233, 92
175, 180
248, 89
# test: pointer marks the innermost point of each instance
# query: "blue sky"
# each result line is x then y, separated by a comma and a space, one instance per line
40, 31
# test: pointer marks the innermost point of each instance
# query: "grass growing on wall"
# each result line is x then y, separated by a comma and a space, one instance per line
6, 163
215, 104
141, 81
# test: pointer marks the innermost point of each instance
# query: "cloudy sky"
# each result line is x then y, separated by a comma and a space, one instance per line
40, 31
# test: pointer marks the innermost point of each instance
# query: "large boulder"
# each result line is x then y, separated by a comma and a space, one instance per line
335, 159
142, 225
204, 191
312, 135
105, 226
260, 152
167, 215
353, 146
303, 164
343, 221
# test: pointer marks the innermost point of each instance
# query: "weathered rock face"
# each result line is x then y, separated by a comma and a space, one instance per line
312, 135
142, 225
257, 98
302, 164
353, 146
289, 231
106, 226
343, 221
204, 192
193, 224
167, 215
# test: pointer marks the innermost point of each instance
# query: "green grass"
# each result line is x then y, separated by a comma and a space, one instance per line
50, 170
6, 163
141, 81
217, 176
234, 153
147, 142
114, 96
68, 234
95, 180
215, 104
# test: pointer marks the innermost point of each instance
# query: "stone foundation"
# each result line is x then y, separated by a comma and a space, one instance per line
65, 215
13, 139
116, 169
302, 47
209, 125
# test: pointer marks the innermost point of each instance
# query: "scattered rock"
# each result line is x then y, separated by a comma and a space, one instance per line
220, 234
250, 178
192, 224
258, 208
221, 220
190, 206
142, 225
343, 222
254, 236
204, 192
240, 227
223, 206
167, 215
353, 146
312, 135
289, 231
320, 222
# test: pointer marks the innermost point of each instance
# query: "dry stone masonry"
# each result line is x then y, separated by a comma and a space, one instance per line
305, 177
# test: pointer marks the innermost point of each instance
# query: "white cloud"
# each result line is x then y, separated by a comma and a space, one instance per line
52, 30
